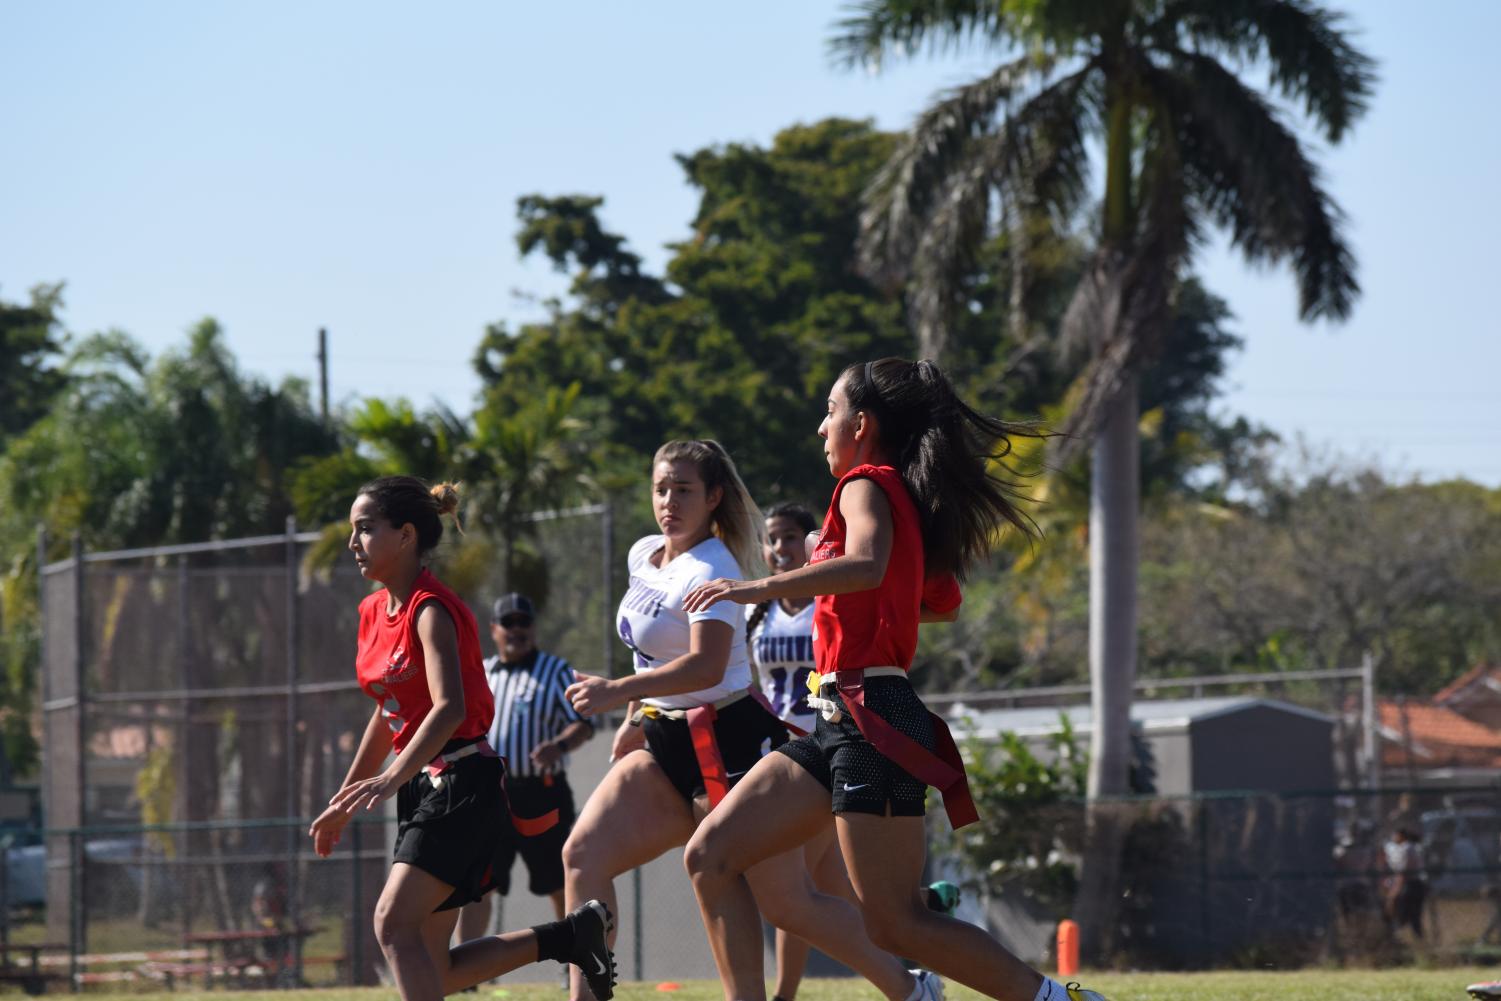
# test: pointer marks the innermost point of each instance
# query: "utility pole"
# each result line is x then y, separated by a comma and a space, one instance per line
323, 373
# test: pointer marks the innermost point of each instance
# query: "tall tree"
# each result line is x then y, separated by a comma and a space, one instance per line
758, 310
1186, 141
135, 452
30, 347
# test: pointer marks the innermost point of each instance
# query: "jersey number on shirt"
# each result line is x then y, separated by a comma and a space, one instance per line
787, 700
642, 660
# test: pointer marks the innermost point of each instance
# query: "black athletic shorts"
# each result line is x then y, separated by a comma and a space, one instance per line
533, 796
861, 778
744, 730
453, 830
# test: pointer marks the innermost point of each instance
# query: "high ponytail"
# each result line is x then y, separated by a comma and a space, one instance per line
943, 449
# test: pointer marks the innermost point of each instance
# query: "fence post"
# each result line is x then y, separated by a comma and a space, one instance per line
1369, 746
607, 549
41, 609
75, 894
607, 657
357, 911
1206, 905
294, 878
186, 875
79, 938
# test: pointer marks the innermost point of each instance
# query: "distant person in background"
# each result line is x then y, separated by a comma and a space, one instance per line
534, 730
1406, 887
268, 913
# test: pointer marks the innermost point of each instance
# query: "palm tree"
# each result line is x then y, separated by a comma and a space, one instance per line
1186, 142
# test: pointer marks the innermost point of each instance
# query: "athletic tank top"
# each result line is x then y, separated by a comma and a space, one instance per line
392, 670
878, 627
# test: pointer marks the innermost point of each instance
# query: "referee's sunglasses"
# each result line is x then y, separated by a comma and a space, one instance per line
516, 622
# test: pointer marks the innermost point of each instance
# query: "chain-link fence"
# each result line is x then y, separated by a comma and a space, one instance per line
197, 697
1238, 880
1251, 880
191, 692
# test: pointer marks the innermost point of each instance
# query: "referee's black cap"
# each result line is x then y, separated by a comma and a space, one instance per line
508, 604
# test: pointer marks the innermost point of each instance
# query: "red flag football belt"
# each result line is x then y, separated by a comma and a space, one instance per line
943, 771
527, 827
700, 720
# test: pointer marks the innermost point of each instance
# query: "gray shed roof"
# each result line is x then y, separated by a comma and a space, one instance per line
1159, 715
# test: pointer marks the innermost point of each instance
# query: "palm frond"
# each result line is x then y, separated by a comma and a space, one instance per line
1122, 306
1035, 160
898, 198
875, 28
1039, 146
950, 242
1307, 49
1254, 177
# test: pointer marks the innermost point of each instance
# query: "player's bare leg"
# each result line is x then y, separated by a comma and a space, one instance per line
631, 818
884, 856
749, 851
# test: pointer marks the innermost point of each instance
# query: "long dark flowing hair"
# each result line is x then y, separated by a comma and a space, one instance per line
944, 450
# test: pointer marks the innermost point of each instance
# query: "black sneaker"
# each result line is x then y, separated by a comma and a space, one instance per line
592, 923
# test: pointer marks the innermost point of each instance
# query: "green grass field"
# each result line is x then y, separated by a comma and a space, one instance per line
1307, 985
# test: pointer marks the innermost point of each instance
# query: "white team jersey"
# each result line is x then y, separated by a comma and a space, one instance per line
653, 624
783, 648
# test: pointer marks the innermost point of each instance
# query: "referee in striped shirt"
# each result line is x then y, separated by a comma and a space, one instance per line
535, 727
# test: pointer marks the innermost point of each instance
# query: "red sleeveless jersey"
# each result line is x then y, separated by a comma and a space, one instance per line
393, 672
877, 628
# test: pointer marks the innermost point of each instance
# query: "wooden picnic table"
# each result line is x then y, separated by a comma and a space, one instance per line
32, 978
230, 954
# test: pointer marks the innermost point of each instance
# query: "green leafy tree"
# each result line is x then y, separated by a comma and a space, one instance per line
757, 312
1027, 838
135, 452
30, 344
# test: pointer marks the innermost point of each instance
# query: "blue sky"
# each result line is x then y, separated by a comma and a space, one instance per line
284, 166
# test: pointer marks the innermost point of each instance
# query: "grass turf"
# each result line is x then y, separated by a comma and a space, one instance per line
1304, 985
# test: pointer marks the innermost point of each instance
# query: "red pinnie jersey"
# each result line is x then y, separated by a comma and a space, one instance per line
393, 672
877, 628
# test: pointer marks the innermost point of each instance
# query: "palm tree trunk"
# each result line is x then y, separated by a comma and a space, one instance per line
1113, 501
1114, 498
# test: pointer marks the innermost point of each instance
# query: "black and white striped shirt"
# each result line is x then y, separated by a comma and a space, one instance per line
529, 707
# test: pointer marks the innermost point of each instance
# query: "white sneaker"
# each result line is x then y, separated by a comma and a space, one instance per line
929, 986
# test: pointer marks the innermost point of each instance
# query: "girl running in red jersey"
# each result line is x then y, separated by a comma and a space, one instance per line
419, 658
915, 505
